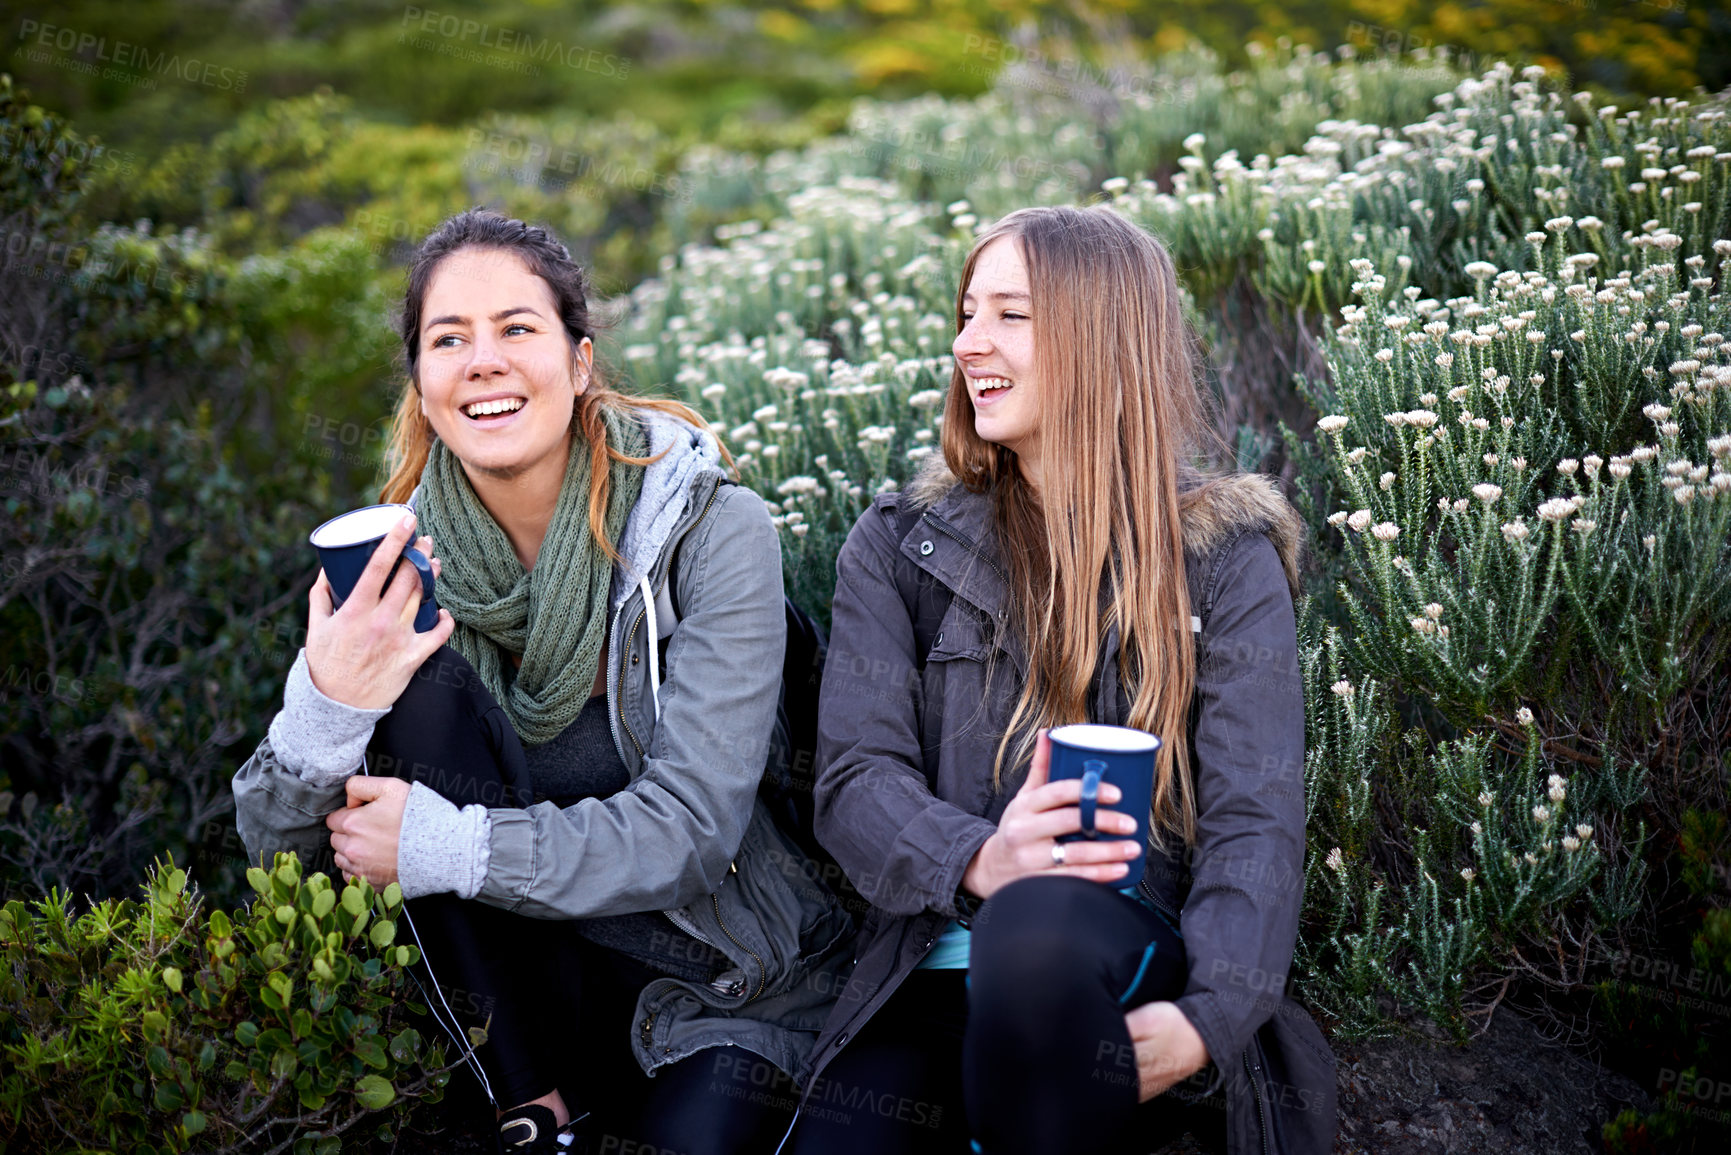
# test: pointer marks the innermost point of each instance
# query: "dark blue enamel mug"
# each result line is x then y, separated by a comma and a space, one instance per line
1115, 754
345, 544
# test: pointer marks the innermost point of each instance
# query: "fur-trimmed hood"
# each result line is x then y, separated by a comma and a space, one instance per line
1215, 510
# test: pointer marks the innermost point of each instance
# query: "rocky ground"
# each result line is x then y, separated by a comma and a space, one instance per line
1508, 1092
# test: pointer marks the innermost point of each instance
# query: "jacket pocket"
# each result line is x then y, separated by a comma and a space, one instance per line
777, 907
963, 635
964, 701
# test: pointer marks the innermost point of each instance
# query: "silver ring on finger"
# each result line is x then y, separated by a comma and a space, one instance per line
1058, 849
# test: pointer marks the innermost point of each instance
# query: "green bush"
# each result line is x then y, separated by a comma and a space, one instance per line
154, 494
152, 1026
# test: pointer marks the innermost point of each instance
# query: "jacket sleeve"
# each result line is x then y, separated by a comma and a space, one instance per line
1240, 921
296, 777
903, 848
670, 836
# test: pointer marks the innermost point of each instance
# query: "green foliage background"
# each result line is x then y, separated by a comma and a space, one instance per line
196, 361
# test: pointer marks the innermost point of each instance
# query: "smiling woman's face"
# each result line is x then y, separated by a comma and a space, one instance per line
497, 374
995, 350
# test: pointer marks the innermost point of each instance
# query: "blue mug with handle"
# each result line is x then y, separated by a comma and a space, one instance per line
346, 543
1116, 754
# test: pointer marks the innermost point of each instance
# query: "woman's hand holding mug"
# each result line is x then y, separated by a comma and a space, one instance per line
364, 654
1040, 812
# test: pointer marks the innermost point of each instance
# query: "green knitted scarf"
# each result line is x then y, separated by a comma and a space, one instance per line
554, 615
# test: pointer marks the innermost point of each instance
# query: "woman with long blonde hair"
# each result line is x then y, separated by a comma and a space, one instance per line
1071, 558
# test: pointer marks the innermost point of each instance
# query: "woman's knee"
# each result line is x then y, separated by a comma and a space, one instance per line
1040, 926
447, 732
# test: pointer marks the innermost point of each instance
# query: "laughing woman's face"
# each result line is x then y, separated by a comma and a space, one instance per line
498, 377
995, 350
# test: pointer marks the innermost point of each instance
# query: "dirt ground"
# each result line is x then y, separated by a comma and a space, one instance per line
1508, 1092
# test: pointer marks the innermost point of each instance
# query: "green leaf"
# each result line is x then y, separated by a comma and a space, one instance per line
207, 1056
246, 1033
323, 903
312, 1098
353, 901
258, 880
383, 932
393, 896
406, 1045
374, 1092
156, 1062
330, 1145
168, 1097
220, 926
301, 1022
171, 977
284, 1063
193, 1121
371, 1052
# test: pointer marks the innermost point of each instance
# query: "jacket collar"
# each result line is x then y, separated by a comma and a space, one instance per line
953, 542
1215, 511
684, 454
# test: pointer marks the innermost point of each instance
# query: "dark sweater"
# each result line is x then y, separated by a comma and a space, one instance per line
581, 762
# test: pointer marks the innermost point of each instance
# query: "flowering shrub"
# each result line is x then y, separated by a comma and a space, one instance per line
1530, 485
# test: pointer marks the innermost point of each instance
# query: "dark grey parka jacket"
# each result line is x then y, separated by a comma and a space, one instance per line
905, 798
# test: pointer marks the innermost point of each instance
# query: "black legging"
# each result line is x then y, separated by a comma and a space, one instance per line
559, 1009
1030, 1053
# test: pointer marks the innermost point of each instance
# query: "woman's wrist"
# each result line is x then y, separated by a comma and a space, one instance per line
979, 879
318, 739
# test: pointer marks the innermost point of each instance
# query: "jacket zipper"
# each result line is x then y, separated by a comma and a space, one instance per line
1155, 899
625, 657
1256, 1090
762, 971
684, 924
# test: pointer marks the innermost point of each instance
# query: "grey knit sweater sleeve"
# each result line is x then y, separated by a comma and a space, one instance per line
321, 741
442, 848
318, 739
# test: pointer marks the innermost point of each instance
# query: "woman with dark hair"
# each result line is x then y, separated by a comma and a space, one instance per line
576, 746
1067, 559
